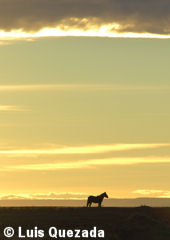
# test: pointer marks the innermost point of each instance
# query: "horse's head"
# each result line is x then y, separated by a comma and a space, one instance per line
105, 195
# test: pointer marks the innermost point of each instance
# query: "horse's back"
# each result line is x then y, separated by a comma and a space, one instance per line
93, 199
90, 197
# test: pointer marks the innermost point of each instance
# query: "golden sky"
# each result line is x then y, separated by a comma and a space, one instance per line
84, 98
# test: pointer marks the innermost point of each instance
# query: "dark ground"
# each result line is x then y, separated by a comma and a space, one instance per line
140, 223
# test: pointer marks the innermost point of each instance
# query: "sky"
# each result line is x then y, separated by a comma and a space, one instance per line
84, 99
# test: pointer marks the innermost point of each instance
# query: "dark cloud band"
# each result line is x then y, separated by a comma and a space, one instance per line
137, 16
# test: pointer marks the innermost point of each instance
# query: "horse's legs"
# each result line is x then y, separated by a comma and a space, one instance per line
88, 203
99, 204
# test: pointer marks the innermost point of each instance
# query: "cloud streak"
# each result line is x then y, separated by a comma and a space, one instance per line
90, 16
9, 108
85, 164
89, 149
45, 196
83, 87
31, 87
153, 193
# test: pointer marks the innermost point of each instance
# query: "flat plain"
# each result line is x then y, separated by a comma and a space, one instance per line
138, 223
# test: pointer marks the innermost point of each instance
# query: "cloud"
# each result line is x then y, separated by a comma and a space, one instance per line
84, 87
62, 195
153, 193
29, 87
87, 149
118, 16
147, 191
47, 87
85, 164
10, 108
47, 196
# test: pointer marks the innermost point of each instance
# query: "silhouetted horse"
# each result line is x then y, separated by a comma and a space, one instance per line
97, 199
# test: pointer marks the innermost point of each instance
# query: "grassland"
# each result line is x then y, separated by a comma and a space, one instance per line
140, 223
